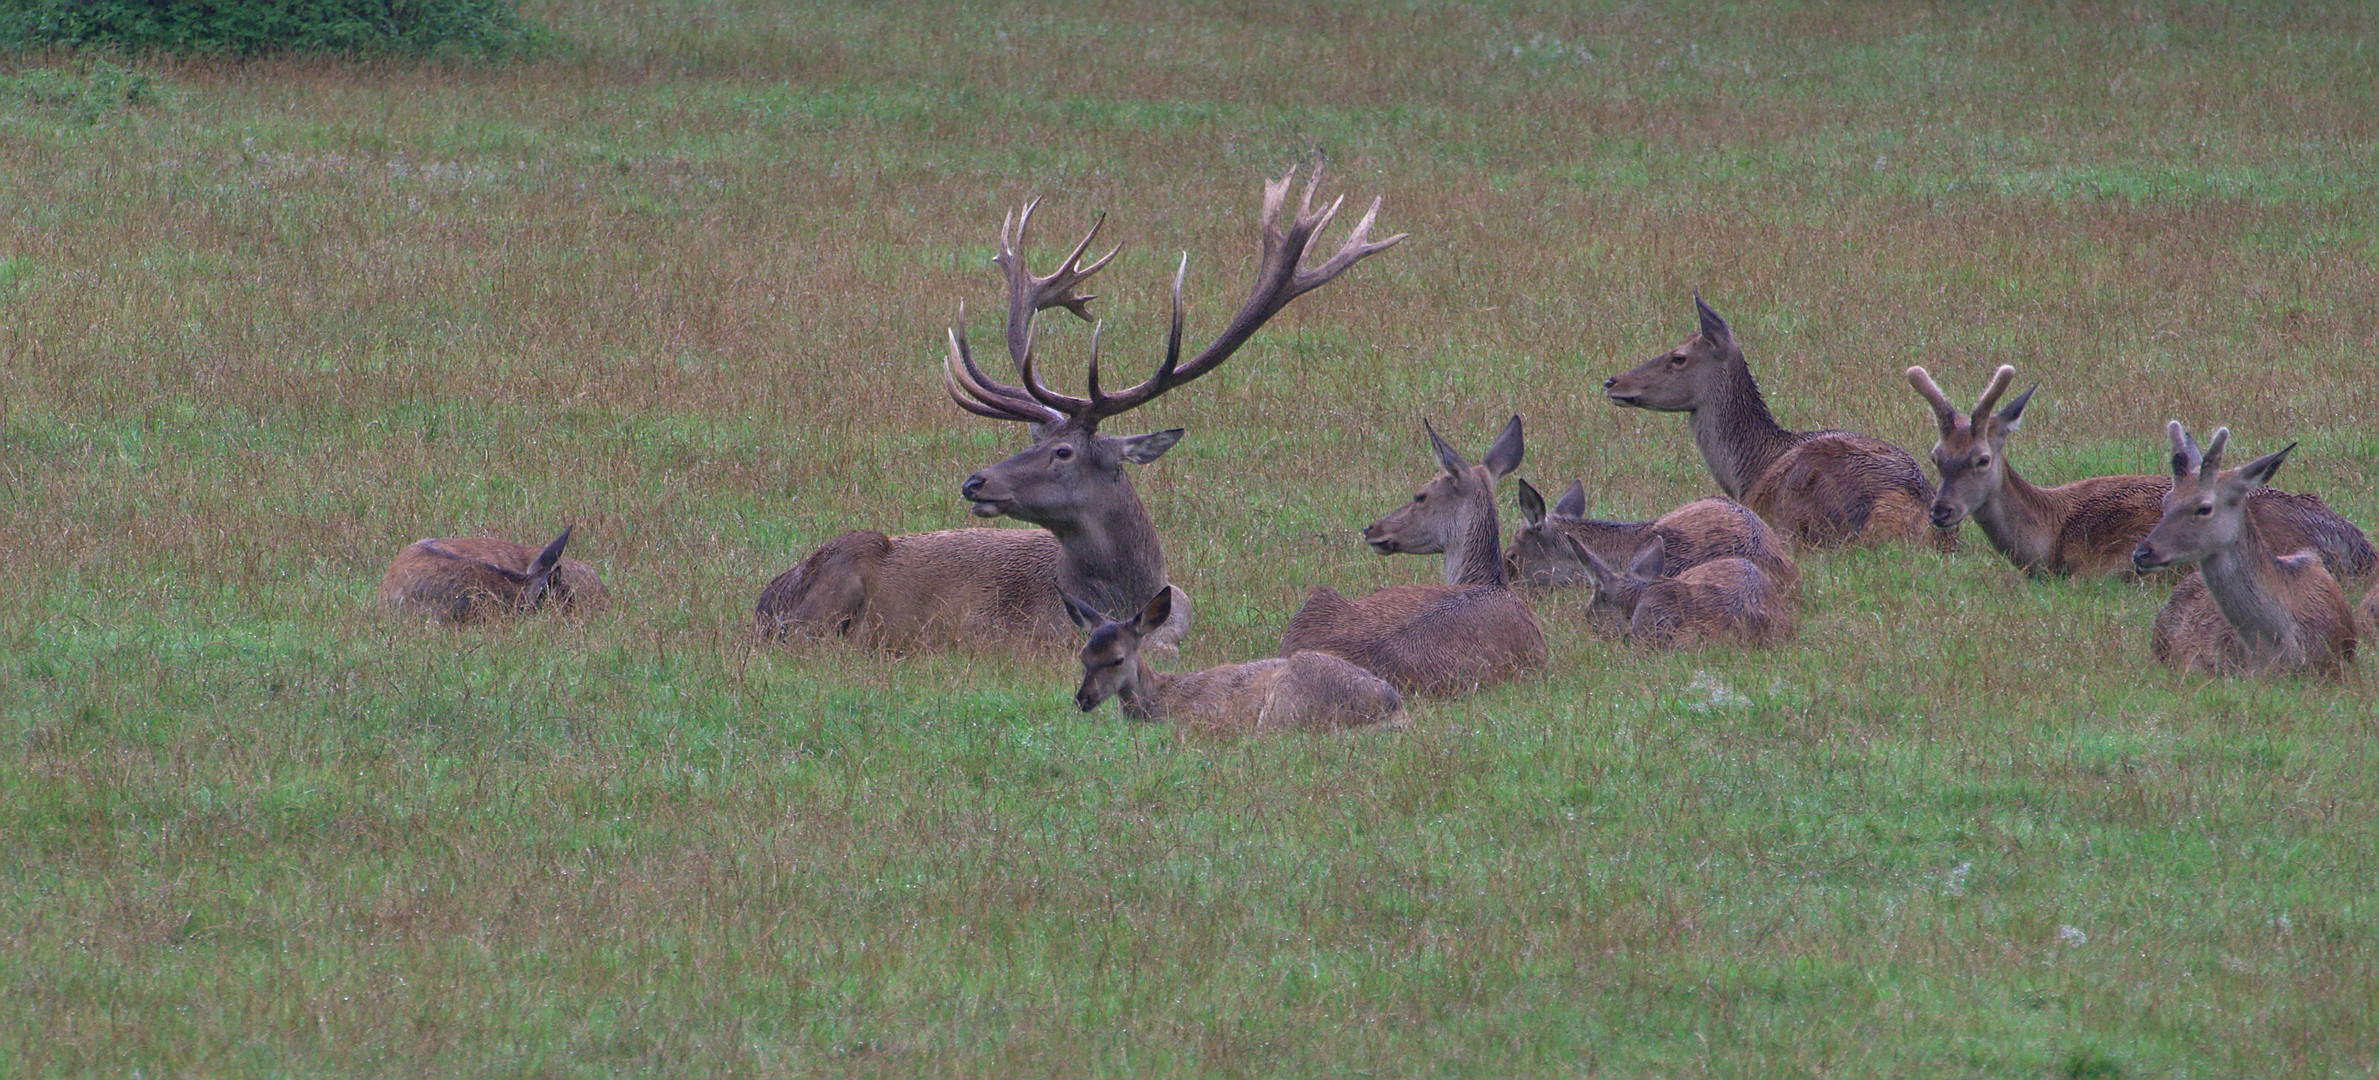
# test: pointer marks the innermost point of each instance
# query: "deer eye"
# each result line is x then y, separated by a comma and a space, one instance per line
1677, 361
2205, 510
1062, 453
1983, 462
1420, 496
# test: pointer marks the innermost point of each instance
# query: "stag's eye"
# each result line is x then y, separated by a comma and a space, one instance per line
1983, 462
1062, 453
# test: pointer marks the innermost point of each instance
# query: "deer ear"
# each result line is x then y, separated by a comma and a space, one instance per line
2011, 415
1650, 559
1081, 613
1713, 327
1596, 568
1159, 609
1142, 449
551, 557
1448, 458
2259, 472
1509, 448
1573, 500
1532, 504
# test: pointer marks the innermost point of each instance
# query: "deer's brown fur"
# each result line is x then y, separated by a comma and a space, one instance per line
469, 579
2249, 608
1692, 534
1309, 691
1729, 600
2090, 527
1445, 639
1813, 487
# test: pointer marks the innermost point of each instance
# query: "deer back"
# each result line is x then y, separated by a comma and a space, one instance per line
1431, 640
469, 579
1726, 600
1310, 691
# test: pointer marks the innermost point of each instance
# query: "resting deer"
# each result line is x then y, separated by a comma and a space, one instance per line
1723, 600
468, 579
1470, 632
1814, 487
1309, 691
1692, 534
2250, 607
2089, 527
1099, 543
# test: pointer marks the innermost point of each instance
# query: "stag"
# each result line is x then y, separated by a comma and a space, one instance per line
1815, 487
1309, 691
1470, 632
1099, 543
1722, 600
2089, 527
2250, 607
1690, 535
469, 579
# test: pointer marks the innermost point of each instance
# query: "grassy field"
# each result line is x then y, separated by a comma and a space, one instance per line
684, 282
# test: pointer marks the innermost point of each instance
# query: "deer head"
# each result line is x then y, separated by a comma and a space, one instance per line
1540, 553
1971, 454
1684, 378
532, 587
1455, 512
2206, 510
1111, 662
1617, 589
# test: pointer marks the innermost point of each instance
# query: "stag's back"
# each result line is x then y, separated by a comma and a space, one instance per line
455, 580
1727, 600
1433, 640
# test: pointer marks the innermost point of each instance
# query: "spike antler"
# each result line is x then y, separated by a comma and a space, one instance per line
1944, 413
1280, 278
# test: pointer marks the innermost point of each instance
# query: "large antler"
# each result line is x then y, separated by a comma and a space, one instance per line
1281, 278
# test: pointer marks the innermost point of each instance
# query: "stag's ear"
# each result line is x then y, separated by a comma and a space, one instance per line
1713, 328
1650, 559
1142, 449
1573, 501
1159, 609
1448, 458
1081, 613
1509, 448
1532, 504
2011, 415
2259, 472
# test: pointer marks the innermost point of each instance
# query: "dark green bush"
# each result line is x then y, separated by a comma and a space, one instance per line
479, 28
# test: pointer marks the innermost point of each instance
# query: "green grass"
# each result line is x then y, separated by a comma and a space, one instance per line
683, 282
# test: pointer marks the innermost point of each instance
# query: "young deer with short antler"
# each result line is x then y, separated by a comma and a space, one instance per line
1695, 533
2250, 607
1309, 691
1723, 600
466, 579
2089, 527
1470, 632
1814, 487
1100, 544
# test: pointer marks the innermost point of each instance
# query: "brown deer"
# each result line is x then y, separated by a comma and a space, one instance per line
2250, 607
1470, 632
1692, 534
1814, 487
1728, 600
1099, 543
1309, 691
2089, 527
469, 579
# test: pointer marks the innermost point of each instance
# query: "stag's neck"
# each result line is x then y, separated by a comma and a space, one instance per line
1113, 559
1475, 554
1737, 436
2244, 580
2022, 521
1144, 697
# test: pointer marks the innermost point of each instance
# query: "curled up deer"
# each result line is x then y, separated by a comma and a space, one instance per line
1309, 691
468, 579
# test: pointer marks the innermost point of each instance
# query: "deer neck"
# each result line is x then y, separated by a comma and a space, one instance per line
1145, 698
1737, 436
2021, 520
1113, 559
1474, 554
2243, 578
1614, 541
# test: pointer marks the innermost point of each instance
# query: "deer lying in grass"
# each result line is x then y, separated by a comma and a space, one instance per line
2250, 607
900, 592
1470, 632
1309, 691
1690, 535
1727, 600
468, 579
1814, 487
2089, 527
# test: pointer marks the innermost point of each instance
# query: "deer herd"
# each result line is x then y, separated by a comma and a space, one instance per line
2266, 596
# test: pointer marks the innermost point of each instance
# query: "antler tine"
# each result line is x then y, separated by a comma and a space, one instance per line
1028, 293
2000, 380
979, 394
2212, 462
1944, 413
2186, 458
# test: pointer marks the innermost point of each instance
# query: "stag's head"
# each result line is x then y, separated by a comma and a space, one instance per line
1971, 455
1073, 470
2206, 510
1683, 378
1111, 658
1540, 553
